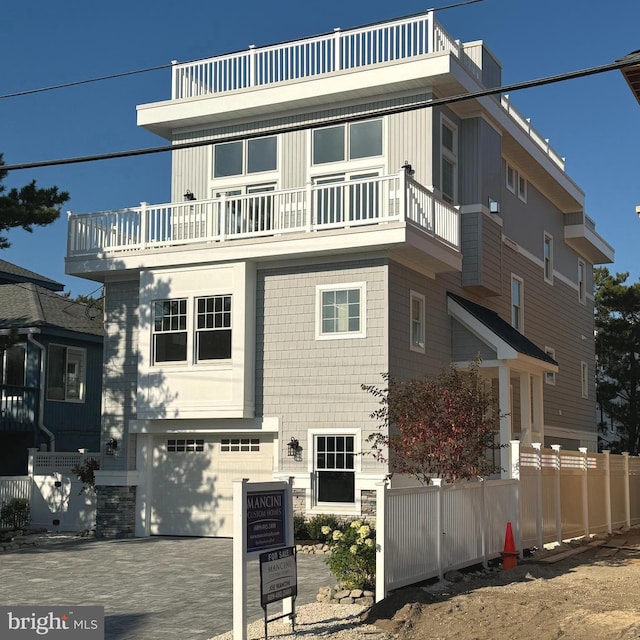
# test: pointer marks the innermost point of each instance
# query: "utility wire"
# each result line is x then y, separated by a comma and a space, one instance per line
563, 77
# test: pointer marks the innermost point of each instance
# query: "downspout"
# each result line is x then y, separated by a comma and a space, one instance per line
43, 362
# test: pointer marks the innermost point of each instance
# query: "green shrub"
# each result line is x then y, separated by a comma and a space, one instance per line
86, 474
316, 524
16, 514
300, 531
352, 559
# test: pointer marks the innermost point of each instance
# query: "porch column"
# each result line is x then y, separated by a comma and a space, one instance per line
144, 462
537, 400
525, 408
504, 400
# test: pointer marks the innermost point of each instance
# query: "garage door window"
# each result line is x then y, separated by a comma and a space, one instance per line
184, 446
335, 469
231, 445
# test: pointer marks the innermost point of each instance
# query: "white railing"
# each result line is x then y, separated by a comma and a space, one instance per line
339, 205
310, 57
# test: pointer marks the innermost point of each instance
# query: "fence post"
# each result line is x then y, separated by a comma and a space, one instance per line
539, 515
381, 533
607, 488
31, 461
627, 497
556, 466
485, 523
585, 489
514, 459
437, 482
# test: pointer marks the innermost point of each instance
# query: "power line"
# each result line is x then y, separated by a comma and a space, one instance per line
563, 77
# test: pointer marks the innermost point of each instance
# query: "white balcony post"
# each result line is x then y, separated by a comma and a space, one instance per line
252, 65
539, 532
627, 497
72, 234
585, 489
175, 92
607, 488
223, 216
431, 32
402, 195
337, 49
556, 466
143, 224
309, 207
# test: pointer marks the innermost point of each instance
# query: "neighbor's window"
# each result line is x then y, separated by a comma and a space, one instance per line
548, 258
582, 296
335, 468
170, 330
417, 322
517, 287
66, 369
213, 328
12, 366
449, 155
550, 376
341, 311
245, 156
584, 379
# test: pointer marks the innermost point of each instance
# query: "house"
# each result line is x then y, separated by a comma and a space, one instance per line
50, 369
329, 223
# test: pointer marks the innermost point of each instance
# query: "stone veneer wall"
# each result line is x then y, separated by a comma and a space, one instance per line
115, 512
299, 501
368, 503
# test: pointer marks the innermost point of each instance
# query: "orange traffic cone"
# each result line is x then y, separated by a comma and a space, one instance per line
509, 554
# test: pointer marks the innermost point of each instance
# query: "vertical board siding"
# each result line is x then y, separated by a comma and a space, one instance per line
190, 170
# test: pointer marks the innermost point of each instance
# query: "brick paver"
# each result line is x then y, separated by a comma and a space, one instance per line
151, 588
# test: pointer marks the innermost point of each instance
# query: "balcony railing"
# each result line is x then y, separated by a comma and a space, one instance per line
339, 205
311, 57
18, 408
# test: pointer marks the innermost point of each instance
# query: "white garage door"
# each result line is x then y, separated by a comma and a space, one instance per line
192, 481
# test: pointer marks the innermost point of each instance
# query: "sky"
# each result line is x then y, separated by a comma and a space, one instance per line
594, 122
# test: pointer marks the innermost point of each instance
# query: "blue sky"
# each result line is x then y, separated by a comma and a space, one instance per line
594, 121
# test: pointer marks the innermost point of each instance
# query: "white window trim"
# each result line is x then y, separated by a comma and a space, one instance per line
418, 348
521, 307
513, 186
582, 283
348, 508
522, 195
83, 382
320, 288
584, 378
550, 376
450, 156
547, 238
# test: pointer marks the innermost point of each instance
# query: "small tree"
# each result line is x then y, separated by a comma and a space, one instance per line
440, 426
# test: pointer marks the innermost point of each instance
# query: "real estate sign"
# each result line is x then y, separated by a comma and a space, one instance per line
266, 524
278, 575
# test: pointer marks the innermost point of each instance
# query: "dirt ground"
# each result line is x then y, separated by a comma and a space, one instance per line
589, 590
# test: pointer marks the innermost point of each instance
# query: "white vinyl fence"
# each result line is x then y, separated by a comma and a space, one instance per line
54, 492
553, 495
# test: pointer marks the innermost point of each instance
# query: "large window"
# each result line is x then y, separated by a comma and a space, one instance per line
245, 156
347, 142
335, 468
213, 328
517, 303
340, 311
170, 330
66, 373
417, 322
449, 161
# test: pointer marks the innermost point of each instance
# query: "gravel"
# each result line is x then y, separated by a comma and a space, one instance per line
318, 621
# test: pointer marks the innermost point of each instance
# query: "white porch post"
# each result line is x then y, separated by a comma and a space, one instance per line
537, 407
504, 399
144, 462
525, 408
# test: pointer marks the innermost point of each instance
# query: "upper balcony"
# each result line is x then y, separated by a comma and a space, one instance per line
18, 408
580, 233
385, 212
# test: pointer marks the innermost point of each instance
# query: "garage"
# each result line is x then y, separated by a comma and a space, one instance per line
192, 480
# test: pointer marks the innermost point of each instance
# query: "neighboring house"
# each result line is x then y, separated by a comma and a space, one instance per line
327, 225
50, 370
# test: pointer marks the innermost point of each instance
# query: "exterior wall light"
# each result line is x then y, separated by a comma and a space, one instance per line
111, 446
292, 447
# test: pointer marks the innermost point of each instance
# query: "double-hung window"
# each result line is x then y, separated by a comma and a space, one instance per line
449, 160
213, 328
66, 370
341, 311
335, 468
517, 303
417, 328
170, 330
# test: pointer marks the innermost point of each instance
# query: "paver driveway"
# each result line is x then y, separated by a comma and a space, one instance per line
151, 588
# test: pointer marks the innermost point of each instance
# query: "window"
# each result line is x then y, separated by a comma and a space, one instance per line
548, 258
335, 468
550, 376
170, 330
517, 287
354, 141
449, 154
185, 446
417, 322
511, 178
340, 311
584, 379
237, 445
245, 156
12, 366
522, 188
66, 373
213, 328
582, 296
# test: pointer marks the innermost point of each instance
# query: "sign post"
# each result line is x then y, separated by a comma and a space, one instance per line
262, 522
